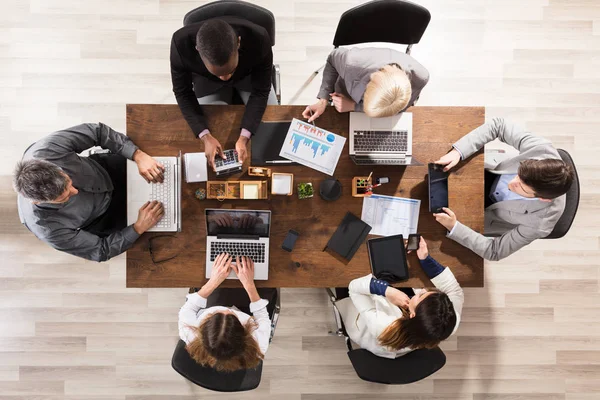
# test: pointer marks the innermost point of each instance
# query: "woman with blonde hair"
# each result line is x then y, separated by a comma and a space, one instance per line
389, 323
380, 82
225, 338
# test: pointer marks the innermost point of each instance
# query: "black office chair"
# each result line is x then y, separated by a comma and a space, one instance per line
390, 21
572, 202
412, 367
212, 379
241, 9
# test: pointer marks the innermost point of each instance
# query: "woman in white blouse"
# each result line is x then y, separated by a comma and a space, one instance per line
385, 321
221, 337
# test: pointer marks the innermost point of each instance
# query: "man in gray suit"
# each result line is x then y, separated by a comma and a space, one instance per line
377, 81
525, 196
78, 204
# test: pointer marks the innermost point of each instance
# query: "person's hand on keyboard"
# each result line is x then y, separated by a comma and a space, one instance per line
244, 269
150, 169
241, 148
220, 270
148, 216
212, 148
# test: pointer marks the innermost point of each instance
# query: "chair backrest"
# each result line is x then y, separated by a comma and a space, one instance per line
209, 378
234, 8
392, 21
412, 367
572, 202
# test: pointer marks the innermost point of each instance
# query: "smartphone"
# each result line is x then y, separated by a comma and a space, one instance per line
290, 240
413, 241
438, 188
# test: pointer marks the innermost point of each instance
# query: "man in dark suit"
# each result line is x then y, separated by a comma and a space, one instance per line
210, 59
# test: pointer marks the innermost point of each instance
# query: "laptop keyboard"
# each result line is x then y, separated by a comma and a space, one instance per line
256, 251
231, 158
376, 141
372, 161
163, 192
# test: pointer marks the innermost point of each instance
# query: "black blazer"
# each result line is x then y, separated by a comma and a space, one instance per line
187, 68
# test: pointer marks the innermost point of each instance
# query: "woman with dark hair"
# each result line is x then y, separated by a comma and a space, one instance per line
224, 338
388, 323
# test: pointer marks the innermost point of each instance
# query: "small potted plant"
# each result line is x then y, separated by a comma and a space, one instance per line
305, 190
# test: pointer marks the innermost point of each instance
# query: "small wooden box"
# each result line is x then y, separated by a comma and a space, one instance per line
259, 171
232, 190
360, 184
278, 175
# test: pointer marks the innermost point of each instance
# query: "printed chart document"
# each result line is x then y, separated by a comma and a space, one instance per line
313, 147
390, 215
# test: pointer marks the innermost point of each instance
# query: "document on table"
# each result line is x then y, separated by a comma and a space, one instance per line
390, 215
313, 147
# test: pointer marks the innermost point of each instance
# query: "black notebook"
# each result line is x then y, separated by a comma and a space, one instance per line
267, 142
348, 236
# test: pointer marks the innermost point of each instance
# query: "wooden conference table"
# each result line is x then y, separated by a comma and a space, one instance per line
160, 130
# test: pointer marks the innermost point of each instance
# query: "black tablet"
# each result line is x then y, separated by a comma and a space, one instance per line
388, 258
266, 144
438, 188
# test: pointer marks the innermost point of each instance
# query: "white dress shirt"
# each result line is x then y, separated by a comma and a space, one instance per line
194, 311
367, 315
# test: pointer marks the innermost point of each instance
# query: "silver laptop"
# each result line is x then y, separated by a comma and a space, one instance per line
168, 193
381, 141
239, 233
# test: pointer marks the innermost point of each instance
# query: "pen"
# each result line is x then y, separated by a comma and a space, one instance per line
311, 114
279, 162
370, 176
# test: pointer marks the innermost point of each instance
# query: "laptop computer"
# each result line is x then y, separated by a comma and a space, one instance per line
239, 233
381, 141
168, 193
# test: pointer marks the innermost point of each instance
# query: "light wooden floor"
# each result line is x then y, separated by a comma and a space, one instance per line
70, 330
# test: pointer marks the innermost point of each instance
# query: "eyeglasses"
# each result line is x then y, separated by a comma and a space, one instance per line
151, 249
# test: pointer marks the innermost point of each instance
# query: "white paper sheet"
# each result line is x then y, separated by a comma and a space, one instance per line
390, 215
250, 191
313, 147
281, 184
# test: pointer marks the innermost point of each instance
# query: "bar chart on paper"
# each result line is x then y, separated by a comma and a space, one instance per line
313, 147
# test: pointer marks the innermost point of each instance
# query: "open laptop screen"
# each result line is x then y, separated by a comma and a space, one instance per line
238, 222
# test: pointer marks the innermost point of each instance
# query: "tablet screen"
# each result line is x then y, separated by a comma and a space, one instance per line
438, 188
388, 258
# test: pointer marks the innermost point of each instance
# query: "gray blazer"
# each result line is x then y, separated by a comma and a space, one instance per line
63, 226
348, 71
519, 222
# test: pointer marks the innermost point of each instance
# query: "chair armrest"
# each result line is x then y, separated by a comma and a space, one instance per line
341, 329
276, 81
275, 318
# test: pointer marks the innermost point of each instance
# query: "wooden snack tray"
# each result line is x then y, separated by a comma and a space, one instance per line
232, 190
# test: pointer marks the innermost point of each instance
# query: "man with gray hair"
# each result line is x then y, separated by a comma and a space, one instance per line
77, 204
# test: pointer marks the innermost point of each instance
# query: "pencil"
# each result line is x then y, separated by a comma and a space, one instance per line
370, 176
